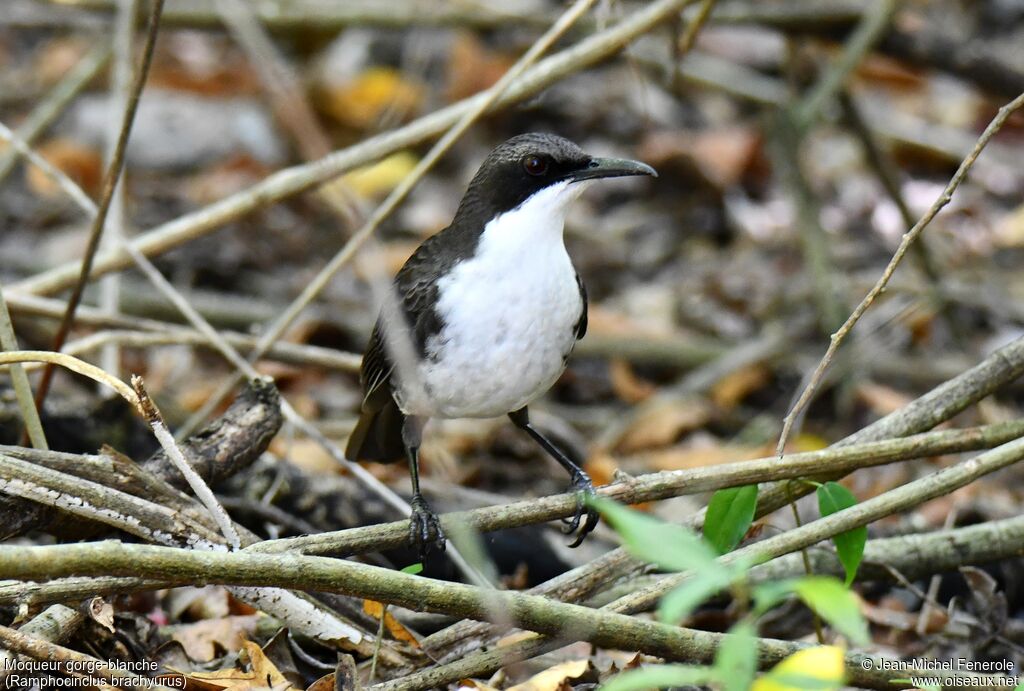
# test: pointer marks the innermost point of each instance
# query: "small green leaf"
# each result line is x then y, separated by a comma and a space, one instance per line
700, 585
729, 515
769, 594
736, 659
835, 603
413, 569
660, 676
833, 497
672, 547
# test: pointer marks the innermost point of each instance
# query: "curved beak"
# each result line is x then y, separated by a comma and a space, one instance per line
611, 168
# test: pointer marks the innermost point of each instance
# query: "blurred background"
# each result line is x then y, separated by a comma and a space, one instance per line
782, 194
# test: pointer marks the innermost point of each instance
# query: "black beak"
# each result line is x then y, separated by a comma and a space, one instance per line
611, 168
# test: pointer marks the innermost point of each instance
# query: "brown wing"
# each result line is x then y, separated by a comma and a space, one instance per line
416, 286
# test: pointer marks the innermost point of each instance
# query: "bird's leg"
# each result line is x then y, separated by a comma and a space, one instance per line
424, 528
581, 482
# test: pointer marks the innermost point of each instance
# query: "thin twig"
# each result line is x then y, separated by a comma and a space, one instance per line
40, 649
117, 102
395, 198
886, 171
53, 105
292, 353
656, 486
868, 32
110, 179
22, 387
75, 365
908, 238
296, 179
893, 501
201, 489
924, 413
67, 185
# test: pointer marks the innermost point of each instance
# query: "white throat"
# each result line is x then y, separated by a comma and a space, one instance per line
534, 226
509, 314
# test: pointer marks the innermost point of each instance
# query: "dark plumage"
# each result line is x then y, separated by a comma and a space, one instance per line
510, 176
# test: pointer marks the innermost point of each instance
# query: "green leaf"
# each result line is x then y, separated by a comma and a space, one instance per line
767, 595
413, 569
729, 515
835, 603
698, 587
736, 659
833, 497
660, 676
672, 547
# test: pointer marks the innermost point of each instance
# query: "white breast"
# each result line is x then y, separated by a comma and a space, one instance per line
509, 314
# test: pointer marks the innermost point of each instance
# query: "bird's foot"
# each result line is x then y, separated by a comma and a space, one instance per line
584, 488
425, 531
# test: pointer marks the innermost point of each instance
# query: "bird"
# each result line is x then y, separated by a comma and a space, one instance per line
483, 316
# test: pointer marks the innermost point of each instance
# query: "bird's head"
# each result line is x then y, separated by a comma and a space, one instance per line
532, 163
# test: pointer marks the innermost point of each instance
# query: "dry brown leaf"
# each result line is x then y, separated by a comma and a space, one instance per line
700, 456
662, 424
554, 678
59, 56
224, 179
385, 260
605, 322
737, 385
474, 684
601, 467
888, 614
79, 162
324, 683
261, 674
202, 639
627, 386
881, 399
305, 453
398, 632
362, 102
101, 612
472, 67
516, 637
722, 155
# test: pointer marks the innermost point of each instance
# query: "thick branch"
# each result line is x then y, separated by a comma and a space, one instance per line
566, 621
662, 486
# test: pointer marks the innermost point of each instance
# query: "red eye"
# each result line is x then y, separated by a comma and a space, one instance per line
535, 165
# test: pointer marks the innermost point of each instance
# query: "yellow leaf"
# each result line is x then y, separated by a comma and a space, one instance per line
1010, 229
394, 627
552, 679
379, 178
807, 442
823, 664
363, 101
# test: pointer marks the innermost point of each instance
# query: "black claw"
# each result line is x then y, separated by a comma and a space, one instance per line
425, 531
584, 488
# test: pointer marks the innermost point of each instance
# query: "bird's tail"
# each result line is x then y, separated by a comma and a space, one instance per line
378, 436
